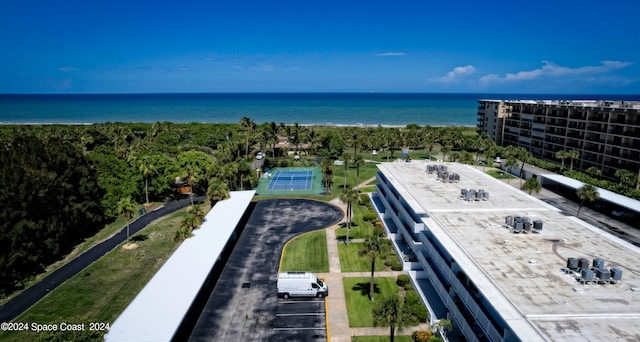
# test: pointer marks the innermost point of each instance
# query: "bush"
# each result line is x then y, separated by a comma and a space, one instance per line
396, 266
422, 336
418, 312
408, 287
370, 216
403, 280
365, 201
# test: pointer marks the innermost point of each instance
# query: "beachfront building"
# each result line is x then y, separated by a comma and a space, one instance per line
606, 133
503, 265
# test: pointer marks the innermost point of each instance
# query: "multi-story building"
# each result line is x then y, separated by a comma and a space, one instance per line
606, 133
475, 260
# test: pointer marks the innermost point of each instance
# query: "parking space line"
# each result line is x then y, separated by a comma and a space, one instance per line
302, 314
286, 329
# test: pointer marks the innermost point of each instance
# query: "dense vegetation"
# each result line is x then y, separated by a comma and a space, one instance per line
61, 183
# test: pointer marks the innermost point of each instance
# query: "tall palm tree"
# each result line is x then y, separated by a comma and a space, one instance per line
327, 175
250, 126
148, 169
345, 158
573, 155
358, 161
524, 155
587, 192
562, 155
389, 311
372, 248
349, 196
127, 207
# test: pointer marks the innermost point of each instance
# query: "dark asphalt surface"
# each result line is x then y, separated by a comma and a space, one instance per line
244, 306
20, 303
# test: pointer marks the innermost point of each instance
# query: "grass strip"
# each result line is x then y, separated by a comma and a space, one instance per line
350, 261
356, 290
398, 338
306, 252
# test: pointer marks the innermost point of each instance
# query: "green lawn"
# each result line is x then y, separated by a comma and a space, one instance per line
360, 228
103, 290
356, 295
499, 174
306, 252
398, 338
350, 261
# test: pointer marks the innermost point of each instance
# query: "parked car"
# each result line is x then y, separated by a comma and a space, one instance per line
260, 155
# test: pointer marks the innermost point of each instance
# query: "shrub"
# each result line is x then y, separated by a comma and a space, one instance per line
396, 266
370, 216
365, 201
422, 335
408, 287
418, 312
403, 280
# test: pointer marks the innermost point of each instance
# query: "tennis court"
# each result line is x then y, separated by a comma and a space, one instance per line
294, 180
290, 181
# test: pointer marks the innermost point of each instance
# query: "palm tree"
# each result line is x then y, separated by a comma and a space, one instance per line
589, 193
217, 190
626, 177
249, 125
127, 207
148, 169
345, 157
524, 156
389, 311
372, 248
327, 175
573, 155
531, 185
562, 155
349, 196
358, 161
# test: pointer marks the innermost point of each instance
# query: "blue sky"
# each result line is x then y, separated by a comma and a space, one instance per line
64, 46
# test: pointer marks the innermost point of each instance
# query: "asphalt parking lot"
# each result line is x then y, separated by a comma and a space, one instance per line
243, 305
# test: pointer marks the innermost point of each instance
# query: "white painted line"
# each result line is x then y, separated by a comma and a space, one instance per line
302, 314
286, 329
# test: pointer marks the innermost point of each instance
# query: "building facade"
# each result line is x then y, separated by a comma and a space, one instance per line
494, 281
606, 133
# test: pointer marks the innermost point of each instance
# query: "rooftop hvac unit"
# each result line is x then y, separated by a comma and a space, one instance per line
508, 221
587, 274
443, 168
430, 168
463, 192
518, 225
583, 263
616, 274
598, 263
479, 194
470, 193
452, 177
537, 225
527, 224
603, 274
572, 263
485, 196
457, 177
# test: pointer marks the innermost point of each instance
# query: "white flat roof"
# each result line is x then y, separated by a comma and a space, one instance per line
157, 311
606, 195
521, 274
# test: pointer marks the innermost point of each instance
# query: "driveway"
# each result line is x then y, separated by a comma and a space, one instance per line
244, 305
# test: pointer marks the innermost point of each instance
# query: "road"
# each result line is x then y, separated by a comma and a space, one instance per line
23, 301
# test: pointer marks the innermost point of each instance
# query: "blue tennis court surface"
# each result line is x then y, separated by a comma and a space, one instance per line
291, 180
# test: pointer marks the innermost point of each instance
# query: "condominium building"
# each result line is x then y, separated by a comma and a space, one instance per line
503, 265
606, 133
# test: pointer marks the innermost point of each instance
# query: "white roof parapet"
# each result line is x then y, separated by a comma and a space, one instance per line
157, 311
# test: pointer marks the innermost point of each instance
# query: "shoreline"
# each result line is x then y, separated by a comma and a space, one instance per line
328, 125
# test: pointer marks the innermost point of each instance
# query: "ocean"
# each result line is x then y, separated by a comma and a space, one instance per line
365, 109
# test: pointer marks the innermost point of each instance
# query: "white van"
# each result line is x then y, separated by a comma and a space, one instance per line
301, 284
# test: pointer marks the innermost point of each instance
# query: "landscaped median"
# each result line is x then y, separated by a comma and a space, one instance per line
306, 252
